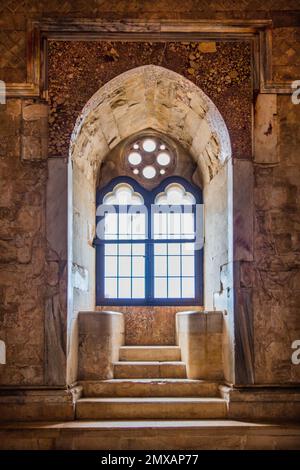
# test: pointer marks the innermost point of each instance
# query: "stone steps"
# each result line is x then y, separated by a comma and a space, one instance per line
150, 383
150, 353
149, 388
150, 408
148, 435
149, 369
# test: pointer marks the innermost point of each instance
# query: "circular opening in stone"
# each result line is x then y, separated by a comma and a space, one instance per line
136, 171
149, 145
136, 146
149, 172
162, 147
163, 158
134, 158
162, 171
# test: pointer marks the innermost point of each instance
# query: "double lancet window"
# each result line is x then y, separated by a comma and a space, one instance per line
149, 243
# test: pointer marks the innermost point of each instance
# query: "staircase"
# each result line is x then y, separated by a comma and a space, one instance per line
142, 408
150, 383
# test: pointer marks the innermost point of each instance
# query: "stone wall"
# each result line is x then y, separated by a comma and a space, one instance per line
276, 281
23, 131
222, 71
32, 278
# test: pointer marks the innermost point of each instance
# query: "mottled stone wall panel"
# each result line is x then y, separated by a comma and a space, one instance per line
22, 195
286, 53
150, 325
277, 255
10, 129
223, 74
22, 253
34, 143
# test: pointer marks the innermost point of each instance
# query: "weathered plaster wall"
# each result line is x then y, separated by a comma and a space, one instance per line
222, 71
276, 281
23, 265
216, 233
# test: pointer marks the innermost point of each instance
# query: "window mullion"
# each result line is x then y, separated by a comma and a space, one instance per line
149, 280
118, 251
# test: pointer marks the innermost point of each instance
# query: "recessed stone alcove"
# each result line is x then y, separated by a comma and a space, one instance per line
133, 102
263, 263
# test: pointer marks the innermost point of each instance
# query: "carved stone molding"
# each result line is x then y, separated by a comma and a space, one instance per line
258, 32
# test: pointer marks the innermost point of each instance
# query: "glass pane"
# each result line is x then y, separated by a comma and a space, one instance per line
123, 194
149, 145
174, 249
159, 228
138, 226
134, 158
174, 288
149, 172
160, 287
125, 266
125, 288
138, 288
188, 266
160, 249
160, 266
174, 265
111, 249
163, 158
138, 249
188, 287
174, 225
124, 249
187, 225
110, 266
111, 225
174, 194
188, 248
124, 226
138, 266
110, 288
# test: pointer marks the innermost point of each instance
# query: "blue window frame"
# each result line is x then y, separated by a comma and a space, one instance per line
146, 245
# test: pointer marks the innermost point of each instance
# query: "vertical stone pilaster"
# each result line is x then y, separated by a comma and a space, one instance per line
243, 217
56, 273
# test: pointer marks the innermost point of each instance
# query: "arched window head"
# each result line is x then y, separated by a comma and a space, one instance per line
149, 158
174, 194
123, 194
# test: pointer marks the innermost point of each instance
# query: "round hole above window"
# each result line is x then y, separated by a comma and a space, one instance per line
149, 154
149, 145
134, 158
163, 158
149, 172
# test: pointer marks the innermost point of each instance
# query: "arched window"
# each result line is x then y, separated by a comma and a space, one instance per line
149, 243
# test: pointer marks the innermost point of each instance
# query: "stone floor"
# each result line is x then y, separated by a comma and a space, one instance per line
149, 404
161, 435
